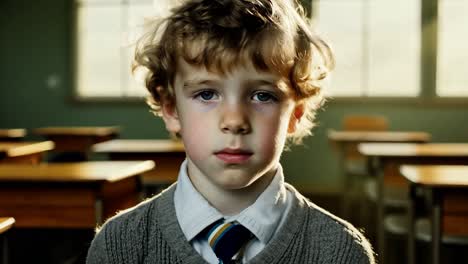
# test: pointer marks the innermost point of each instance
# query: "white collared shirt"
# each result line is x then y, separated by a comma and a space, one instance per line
263, 218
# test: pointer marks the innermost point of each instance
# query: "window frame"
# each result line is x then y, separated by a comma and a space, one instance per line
427, 79
74, 44
428, 67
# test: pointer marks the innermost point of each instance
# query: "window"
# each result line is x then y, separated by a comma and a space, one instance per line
376, 43
383, 48
106, 33
452, 56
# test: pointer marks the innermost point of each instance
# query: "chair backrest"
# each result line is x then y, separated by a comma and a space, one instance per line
362, 123
365, 123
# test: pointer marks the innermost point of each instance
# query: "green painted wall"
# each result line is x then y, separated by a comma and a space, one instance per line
35, 42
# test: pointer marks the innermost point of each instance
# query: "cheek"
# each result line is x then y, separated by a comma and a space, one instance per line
196, 134
272, 135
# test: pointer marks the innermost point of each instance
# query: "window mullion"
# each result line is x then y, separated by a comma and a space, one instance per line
123, 71
429, 11
365, 48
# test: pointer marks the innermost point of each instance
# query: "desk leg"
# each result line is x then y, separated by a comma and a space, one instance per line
436, 226
4, 251
379, 170
141, 188
411, 223
99, 210
345, 198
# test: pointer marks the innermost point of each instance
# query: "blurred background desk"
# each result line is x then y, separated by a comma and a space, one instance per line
448, 189
385, 159
69, 195
353, 165
24, 152
5, 224
167, 154
74, 143
344, 137
12, 134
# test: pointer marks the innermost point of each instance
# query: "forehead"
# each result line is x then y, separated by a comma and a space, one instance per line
266, 53
242, 71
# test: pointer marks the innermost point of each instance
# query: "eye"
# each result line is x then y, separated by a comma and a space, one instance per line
206, 95
264, 97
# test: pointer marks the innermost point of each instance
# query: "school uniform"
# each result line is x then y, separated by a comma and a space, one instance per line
285, 226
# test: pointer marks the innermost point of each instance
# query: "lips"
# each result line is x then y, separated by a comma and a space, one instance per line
233, 156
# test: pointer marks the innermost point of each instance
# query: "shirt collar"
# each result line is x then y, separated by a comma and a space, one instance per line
262, 218
193, 211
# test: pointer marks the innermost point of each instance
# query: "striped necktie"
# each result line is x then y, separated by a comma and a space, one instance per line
227, 239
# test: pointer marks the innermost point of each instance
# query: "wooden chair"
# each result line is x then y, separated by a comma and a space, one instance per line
355, 165
395, 194
355, 162
365, 123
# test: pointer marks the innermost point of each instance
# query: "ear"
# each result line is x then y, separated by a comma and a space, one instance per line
295, 117
171, 117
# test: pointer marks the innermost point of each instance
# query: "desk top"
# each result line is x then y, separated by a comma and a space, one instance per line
15, 149
139, 146
456, 150
6, 223
77, 131
378, 136
437, 176
12, 133
91, 171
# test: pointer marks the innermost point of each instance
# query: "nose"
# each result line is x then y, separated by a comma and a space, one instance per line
234, 120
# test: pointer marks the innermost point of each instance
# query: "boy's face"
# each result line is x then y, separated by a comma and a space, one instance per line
233, 126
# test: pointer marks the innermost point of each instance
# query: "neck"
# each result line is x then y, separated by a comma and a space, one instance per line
231, 201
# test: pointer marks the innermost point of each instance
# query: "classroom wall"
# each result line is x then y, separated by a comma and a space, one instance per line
35, 45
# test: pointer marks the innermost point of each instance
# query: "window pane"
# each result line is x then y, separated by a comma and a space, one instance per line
334, 23
377, 45
452, 60
99, 50
394, 47
134, 29
105, 47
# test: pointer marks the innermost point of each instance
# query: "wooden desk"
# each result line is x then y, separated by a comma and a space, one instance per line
13, 134
5, 224
24, 152
347, 141
167, 154
385, 157
69, 195
448, 187
378, 136
77, 139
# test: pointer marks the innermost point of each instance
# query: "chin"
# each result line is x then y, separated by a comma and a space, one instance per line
236, 183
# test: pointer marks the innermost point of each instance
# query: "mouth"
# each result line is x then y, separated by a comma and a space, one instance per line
233, 156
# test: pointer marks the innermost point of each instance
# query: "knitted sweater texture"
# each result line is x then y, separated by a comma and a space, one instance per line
150, 233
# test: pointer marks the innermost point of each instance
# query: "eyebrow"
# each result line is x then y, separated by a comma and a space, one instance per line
197, 82
194, 83
262, 82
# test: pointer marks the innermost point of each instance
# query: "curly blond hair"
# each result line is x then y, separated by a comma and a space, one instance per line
274, 35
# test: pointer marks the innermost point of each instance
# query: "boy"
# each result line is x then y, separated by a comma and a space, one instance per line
234, 79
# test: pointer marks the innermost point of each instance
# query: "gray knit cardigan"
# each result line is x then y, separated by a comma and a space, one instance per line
150, 233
